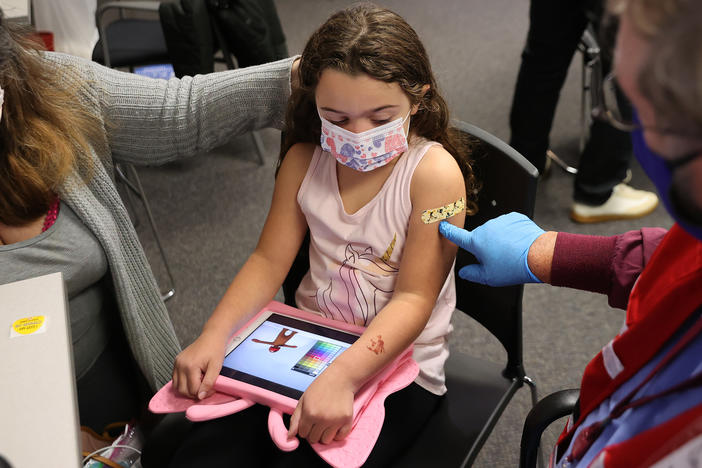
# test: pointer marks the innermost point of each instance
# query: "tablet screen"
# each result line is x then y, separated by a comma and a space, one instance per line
285, 354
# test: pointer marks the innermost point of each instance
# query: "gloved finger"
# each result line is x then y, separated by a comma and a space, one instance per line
457, 235
474, 273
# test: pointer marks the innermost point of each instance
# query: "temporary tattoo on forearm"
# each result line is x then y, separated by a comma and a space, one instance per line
377, 345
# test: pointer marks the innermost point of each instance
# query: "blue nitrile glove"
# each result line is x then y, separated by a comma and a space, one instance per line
501, 245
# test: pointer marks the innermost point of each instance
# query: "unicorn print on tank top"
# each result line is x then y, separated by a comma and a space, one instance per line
360, 278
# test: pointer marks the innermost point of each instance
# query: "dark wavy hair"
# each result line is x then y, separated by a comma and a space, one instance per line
45, 131
368, 39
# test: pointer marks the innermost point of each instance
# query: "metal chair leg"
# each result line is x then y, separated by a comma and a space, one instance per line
134, 186
131, 193
584, 107
260, 149
534, 399
561, 163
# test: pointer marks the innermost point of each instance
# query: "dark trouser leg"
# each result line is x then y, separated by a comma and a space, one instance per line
554, 32
113, 390
603, 164
606, 156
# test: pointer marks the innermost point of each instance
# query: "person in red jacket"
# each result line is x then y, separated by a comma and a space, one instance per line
641, 396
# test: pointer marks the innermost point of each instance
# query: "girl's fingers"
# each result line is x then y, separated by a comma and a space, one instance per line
343, 432
294, 422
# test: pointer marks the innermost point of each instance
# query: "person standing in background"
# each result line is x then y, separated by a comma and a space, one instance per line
599, 192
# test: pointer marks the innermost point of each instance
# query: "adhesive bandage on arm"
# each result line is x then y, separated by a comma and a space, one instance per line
443, 212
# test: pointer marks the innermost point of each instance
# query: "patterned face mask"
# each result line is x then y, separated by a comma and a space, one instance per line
367, 150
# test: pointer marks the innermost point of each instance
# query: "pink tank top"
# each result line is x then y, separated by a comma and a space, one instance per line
355, 258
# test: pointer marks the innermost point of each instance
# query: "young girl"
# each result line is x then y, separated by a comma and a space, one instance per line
367, 93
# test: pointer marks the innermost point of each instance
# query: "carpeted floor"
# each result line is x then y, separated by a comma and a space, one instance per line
210, 209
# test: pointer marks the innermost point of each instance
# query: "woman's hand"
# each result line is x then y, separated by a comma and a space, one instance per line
325, 411
198, 365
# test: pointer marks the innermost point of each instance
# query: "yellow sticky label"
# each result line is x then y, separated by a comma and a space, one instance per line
28, 326
443, 212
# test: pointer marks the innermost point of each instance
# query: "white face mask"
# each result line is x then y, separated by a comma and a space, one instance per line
2, 101
367, 150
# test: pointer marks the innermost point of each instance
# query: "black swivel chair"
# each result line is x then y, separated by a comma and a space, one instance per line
478, 391
551, 408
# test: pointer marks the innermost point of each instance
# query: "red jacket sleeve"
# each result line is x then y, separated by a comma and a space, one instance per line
608, 265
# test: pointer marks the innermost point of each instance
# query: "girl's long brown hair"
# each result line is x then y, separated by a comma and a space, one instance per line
378, 42
44, 130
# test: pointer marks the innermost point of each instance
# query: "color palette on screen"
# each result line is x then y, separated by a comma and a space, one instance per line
317, 358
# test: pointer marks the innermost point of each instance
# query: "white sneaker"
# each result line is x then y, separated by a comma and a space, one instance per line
624, 203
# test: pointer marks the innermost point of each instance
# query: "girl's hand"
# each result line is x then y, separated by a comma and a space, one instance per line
325, 411
198, 365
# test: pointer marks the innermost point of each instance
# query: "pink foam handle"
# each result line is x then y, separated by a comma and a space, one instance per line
257, 394
168, 400
279, 433
205, 412
354, 450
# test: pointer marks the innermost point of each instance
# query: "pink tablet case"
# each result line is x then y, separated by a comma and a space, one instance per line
232, 396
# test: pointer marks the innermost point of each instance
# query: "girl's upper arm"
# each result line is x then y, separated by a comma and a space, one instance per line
428, 257
150, 121
286, 226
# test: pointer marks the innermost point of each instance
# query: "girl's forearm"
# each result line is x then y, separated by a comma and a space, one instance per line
397, 325
252, 288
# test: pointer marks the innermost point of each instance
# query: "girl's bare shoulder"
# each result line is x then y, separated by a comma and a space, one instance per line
298, 158
438, 173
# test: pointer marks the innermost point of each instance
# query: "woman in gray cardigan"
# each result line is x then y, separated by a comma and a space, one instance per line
64, 123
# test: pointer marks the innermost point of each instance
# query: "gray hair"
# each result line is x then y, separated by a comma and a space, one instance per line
671, 77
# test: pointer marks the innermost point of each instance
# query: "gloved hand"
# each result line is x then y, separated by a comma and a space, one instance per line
501, 245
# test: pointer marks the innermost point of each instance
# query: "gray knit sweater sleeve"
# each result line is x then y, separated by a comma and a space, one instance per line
150, 121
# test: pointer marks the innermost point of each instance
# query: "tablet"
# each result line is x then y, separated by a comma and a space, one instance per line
283, 351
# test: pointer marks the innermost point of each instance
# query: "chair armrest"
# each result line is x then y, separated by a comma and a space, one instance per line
546, 411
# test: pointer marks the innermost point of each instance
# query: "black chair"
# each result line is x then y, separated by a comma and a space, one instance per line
549, 409
128, 42
478, 390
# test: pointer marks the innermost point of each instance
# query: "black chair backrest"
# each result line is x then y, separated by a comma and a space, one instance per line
508, 183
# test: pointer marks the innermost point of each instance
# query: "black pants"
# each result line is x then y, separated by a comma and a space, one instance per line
242, 439
555, 29
113, 389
